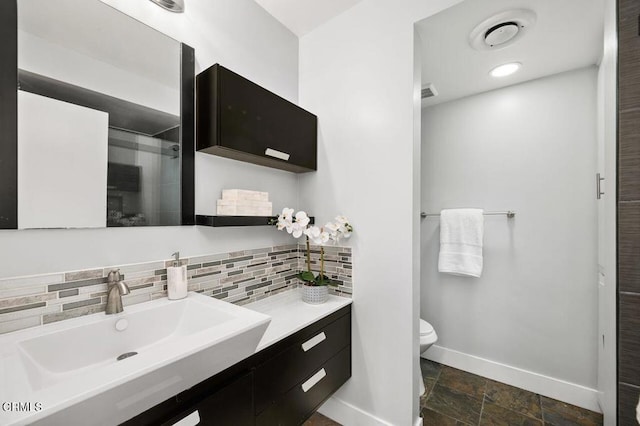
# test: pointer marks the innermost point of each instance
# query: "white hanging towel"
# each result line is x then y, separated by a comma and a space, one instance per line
461, 232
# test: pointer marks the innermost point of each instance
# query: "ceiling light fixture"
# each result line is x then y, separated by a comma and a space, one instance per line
505, 69
171, 5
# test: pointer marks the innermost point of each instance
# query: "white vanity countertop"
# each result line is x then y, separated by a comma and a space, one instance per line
112, 384
290, 314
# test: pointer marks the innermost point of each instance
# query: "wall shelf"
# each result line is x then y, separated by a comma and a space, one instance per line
219, 221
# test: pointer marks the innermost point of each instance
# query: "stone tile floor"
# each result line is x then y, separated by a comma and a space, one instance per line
455, 397
319, 420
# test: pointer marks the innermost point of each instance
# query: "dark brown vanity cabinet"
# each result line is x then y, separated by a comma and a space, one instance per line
300, 373
239, 119
282, 385
231, 405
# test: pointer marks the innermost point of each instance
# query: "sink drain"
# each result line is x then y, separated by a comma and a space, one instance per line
127, 355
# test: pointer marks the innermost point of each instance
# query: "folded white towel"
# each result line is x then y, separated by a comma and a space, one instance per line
461, 232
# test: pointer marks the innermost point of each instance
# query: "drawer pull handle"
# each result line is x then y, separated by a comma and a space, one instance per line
192, 419
314, 341
313, 380
277, 154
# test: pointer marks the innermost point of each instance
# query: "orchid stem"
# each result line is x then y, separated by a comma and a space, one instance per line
321, 264
308, 256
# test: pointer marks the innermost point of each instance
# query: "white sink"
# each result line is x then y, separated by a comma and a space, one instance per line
73, 365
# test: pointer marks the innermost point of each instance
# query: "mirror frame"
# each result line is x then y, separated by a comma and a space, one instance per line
9, 122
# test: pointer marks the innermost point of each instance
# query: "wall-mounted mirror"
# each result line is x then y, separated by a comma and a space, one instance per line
104, 119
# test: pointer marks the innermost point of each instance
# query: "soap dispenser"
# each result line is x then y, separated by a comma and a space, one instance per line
177, 279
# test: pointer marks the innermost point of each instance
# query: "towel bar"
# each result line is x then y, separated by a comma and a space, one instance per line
509, 213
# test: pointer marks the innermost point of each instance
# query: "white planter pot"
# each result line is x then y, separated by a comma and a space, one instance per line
314, 295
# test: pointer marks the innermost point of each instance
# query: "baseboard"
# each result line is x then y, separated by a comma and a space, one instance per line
561, 390
350, 415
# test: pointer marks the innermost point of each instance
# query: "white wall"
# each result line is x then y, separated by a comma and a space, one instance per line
357, 74
529, 148
54, 192
240, 35
43, 57
607, 212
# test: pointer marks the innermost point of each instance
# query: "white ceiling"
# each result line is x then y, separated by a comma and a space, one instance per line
302, 16
568, 34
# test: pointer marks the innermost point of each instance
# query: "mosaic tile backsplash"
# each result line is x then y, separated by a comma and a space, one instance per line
238, 277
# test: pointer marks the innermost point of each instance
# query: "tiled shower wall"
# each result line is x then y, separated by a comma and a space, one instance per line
628, 210
238, 277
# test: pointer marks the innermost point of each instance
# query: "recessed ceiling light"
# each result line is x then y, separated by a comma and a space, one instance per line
505, 69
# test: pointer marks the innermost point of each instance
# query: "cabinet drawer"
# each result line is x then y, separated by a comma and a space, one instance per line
303, 399
231, 405
280, 373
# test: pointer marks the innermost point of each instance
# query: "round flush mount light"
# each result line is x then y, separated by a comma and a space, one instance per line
505, 69
171, 5
502, 30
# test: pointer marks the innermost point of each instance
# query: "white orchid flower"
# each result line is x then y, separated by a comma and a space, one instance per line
317, 235
344, 228
297, 230
283, 223
302, 218
331, 227
324, 237
285, 220
312, 232
287, 212
288, 225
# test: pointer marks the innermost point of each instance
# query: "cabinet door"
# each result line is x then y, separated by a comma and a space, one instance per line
230, 406
254, 120
239, 119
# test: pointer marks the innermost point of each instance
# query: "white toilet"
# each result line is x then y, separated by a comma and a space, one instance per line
428, 337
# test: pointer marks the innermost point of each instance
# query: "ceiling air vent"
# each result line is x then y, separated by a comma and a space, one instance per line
502, 30
429, 91
501, 33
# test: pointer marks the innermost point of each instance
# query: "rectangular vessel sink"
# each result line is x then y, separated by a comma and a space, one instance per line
120, 365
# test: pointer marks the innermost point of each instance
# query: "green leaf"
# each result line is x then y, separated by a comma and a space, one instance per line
306, 276
323, 280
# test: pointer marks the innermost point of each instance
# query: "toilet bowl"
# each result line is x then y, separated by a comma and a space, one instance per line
428, 337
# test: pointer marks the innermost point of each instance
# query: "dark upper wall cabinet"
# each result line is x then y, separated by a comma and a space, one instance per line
239, 119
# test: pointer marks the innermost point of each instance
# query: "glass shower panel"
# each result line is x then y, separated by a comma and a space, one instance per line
143, 179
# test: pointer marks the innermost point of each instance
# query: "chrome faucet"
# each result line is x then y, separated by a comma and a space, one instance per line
115, 290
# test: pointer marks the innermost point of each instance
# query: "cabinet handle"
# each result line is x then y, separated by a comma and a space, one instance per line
599, 192
277, 154
314, 341
313, 380
192, 419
